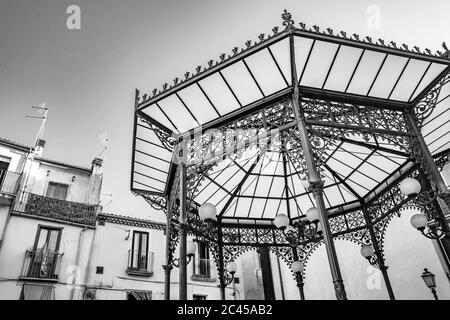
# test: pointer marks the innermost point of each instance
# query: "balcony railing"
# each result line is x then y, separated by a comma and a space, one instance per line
41, 264
140, 263
33, 204
203, 269
9, 182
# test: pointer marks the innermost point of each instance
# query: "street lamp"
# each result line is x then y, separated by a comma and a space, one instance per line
301, 231
191, 248
420, 222
229, 274
207, 212
430, 280
411, 187
368, 252
298, 267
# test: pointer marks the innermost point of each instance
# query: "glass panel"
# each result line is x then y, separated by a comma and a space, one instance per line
319, 63
333, 195
220, 95
266, 72
431, 74
154, 112
198, 104
281, 52
53, 240
388, 76
302, 48
177, 113
242, 83
42, 240
366, 72
272, 209
343, 68
257, 208
243, 207
409, 80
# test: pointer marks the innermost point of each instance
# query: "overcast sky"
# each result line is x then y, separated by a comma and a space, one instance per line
88, 76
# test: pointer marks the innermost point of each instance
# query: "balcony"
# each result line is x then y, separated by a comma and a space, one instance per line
203, 270
9, 182
41, 265
140, 263
74, 212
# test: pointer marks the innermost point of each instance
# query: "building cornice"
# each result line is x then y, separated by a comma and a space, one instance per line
130, 221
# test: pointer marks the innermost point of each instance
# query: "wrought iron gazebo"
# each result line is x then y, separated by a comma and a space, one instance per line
299, 118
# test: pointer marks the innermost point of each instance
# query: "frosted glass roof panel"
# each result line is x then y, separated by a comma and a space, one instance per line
220, 95
241, 83
266, 73
318, 64
343, 67
366, 72
388, 76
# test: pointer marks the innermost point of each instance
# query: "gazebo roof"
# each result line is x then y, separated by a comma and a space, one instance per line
348, 70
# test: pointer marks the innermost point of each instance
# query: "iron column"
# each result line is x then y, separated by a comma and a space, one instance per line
298, 276
183, 220
376, 247
168, 266
316, 184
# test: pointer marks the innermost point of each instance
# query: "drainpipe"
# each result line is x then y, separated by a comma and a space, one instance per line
89, 262
77, 259
281, 278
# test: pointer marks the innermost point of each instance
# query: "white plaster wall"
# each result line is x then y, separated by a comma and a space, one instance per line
17, 158
20, 237
4, 210
111, 251
77, 189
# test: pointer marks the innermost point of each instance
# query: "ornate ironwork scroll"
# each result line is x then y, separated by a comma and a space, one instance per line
426, 106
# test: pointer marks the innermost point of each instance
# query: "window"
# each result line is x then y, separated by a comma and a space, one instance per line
199, 297
139, 250
37, 292
44, 256
57, 190
3, 170
139, 295
203, 266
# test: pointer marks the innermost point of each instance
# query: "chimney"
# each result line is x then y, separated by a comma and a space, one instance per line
95, 182
97, 166
39, 147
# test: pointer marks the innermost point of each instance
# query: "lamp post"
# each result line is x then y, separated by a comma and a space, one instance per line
227, 278
302, 231
298, 267
430, 280
435, 230
191, 248
299, 234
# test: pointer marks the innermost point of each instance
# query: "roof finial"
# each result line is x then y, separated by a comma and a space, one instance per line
446, 52
287, 19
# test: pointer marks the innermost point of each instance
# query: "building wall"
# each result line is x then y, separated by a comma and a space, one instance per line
16, 158
110, 250
39, 180
21, 236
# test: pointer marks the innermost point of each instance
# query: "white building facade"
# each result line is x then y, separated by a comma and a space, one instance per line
57, 244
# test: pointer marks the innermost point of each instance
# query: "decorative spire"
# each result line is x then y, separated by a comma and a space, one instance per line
446, 52
287, 19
